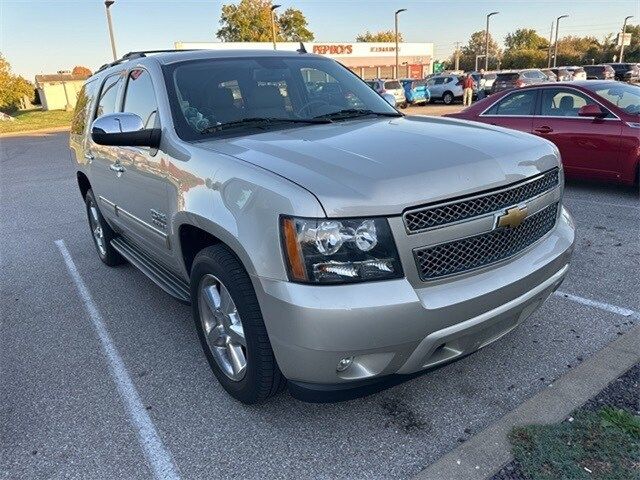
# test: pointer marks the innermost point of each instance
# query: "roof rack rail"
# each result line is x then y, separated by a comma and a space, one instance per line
138, 54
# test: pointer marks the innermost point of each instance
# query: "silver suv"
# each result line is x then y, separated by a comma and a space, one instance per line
323, 239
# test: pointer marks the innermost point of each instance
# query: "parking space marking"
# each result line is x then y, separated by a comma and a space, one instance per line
157, 455
625, 312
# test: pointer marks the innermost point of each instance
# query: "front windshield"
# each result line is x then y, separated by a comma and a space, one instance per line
207, 95
625, 96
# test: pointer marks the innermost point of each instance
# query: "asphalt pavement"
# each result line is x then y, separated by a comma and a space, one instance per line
62, 415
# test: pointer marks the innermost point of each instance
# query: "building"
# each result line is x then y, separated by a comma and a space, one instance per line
59, 91
368, 60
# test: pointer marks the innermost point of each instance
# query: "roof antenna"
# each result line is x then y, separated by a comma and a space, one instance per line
301, 49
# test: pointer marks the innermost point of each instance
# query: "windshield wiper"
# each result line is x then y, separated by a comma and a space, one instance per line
262, 121
356, 112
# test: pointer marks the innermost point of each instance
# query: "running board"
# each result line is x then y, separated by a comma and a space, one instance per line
160, 275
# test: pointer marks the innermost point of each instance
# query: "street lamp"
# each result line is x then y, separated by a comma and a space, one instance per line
107, 4
486, 42
397, 46
555, 48
273, 24
624, 31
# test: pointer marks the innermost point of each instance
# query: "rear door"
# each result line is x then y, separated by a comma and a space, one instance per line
514, 110
588, 146
104, 159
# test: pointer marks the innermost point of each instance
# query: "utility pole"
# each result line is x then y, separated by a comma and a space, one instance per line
457, 56
624, 31
107, 4
555, 48
397, 41
550, 43
273, 24
486, 43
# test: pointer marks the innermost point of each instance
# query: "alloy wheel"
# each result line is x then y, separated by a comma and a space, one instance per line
96, 230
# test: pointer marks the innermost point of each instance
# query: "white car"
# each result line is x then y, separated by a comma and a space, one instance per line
392, 87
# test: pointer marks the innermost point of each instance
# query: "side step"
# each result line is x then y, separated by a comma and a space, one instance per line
162, 277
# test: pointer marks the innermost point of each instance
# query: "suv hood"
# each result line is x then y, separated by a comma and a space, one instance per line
382, 166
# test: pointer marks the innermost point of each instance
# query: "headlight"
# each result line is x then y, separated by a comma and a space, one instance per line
338, 251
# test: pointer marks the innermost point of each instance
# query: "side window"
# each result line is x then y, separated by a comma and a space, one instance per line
81, 113
109, 95
140, 98
521, 103
557, 102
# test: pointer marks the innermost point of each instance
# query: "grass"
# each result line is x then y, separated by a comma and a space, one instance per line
36, 120
601, 445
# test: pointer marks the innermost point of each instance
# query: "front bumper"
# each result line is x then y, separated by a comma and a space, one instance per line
393, 326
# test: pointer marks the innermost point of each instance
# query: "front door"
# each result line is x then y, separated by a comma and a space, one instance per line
142, 200
588, 146
104, 163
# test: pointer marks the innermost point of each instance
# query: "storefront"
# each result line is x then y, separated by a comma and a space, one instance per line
368, 60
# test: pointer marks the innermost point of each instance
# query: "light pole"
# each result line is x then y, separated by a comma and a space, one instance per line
555, 48
107, 4
273, 24
550, 43
486, 42
397, 46
624, 31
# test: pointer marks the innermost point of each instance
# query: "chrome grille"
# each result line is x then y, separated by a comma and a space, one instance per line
436, 215
481, 250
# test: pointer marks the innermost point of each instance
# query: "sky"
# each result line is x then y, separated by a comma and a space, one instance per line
46, 36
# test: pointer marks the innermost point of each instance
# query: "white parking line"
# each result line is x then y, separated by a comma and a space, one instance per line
625, 312
157, 455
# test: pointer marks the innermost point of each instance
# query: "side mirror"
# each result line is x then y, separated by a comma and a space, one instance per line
592, 110
390, 99
125, 130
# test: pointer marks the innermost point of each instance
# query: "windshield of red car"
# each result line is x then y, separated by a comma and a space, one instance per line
625, 96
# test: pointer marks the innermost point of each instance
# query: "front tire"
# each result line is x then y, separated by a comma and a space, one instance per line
230, 327
101, 232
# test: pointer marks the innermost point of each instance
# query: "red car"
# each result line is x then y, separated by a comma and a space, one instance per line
595, 124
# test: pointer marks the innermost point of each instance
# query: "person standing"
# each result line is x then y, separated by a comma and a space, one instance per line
467, 94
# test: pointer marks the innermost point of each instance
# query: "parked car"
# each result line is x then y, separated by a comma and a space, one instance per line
594, 124
416, 91
489, 79
310, 254
626, 72
517, 79
393, 87
599, 72
551, 76
562, 74
447, 88
577, 73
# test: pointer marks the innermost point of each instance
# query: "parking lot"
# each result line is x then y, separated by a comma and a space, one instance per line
62, 415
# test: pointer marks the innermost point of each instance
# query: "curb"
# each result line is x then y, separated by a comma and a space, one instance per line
485, 453
35, 132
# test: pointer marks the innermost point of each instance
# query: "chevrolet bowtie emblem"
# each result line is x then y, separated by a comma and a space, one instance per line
513, 218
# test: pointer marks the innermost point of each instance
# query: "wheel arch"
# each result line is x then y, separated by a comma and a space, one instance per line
83, 183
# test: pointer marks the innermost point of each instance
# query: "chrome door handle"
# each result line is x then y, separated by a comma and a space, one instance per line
116, 167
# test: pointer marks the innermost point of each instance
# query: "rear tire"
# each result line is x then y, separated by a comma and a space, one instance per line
234, 338
447, 98
101, 233
403, 105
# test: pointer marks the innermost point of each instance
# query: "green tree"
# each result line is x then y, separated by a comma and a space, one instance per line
13, 88
474, 47
250, 21
574, 50
79, 70
382, 36
525, 39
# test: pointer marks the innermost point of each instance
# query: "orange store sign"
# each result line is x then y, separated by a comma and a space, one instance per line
333, 49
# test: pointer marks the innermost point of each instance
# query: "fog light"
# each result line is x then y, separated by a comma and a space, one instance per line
344, 363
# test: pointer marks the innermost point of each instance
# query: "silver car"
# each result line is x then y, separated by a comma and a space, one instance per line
447, 88
323, 239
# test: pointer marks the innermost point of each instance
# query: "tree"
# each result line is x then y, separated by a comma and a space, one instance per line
13, 88
79, 70
525, 39
476, 47
579, 50
382, 36
250, 21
